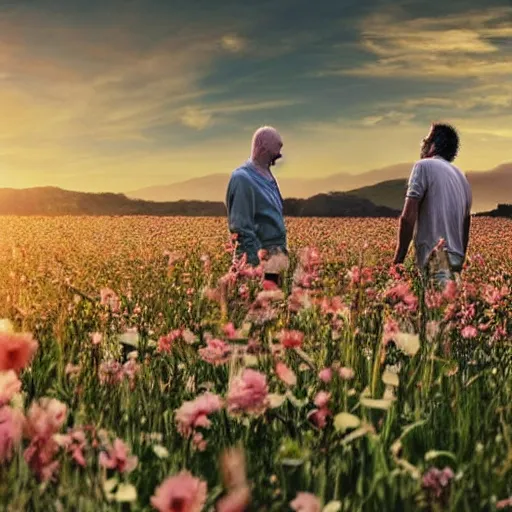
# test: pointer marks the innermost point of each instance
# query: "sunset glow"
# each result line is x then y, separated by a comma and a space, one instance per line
119, 95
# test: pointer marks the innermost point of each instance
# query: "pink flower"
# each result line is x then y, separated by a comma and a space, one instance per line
72, 369
117, 457
322, 398
285, 374
199, 442
298, 299
507, 502
11, 432
109, 298
319, 416
248, 392
469, 332
229, 330
346, 373
96, 338
16, 350
74, 443
40, 455
309, 258
332, 306
111, 372
436, 480
269, 285
165, 343
291, 339
78, 443
391, 328
325, 375
9, 386
402, 298
194, 413
216, 352
236, 500
450, 291
45, 418
306, 502
499, 333
180, 493
130, 370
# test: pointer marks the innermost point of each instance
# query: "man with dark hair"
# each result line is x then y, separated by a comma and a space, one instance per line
437, 205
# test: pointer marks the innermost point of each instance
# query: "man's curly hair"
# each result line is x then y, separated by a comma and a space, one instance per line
446, 140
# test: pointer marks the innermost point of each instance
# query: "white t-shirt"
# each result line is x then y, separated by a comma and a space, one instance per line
445, 200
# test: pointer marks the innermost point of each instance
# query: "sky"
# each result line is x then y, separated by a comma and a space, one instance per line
115, 95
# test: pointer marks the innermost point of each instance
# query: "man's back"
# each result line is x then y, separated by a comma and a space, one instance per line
445, 202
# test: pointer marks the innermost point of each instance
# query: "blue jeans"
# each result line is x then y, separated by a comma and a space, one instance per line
443, 276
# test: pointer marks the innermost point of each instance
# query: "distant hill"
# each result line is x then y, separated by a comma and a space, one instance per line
489, 187
502, 210
213, 186
56, 201
389, 193
336, 204
53, 201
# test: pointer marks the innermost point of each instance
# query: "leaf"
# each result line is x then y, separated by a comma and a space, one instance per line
250, 360
276, 400
292, 462
295, 401
390, 379
6, 325
344, 420
305, 357
161, 451
434, 454
130, 338
408, 343
360, 432
110, 485
332, 506
374, 403
126, 493
389, 394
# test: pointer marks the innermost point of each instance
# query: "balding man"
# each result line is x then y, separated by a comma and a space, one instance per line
254, 202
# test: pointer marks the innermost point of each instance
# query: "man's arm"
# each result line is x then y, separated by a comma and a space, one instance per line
240, 204
467, 222
467, 227
416, 190
406, 224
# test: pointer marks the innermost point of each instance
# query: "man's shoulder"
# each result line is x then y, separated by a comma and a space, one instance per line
422, 163
240, 174
435, 166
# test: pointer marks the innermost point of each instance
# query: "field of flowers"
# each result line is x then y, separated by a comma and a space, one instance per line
140, 371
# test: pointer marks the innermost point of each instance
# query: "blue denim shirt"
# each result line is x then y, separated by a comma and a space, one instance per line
255, 212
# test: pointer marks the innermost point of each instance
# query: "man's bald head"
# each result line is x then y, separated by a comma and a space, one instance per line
266, 145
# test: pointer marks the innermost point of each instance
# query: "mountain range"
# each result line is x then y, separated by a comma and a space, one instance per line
54, 201
385, 186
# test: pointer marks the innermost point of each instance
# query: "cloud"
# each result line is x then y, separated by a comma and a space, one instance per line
202, 117
233, 43
393, 117
483, 100
457, 46
195, 118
